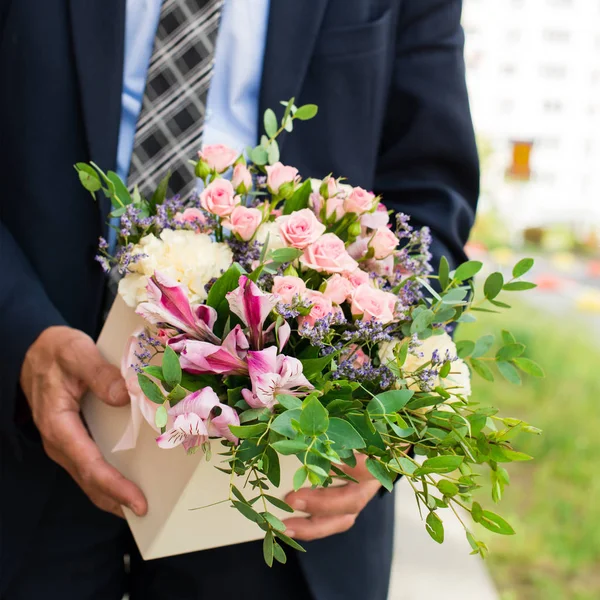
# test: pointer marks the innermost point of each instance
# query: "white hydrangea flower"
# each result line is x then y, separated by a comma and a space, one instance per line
190, 258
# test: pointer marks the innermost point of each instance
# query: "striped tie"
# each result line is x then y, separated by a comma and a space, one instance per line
171, 121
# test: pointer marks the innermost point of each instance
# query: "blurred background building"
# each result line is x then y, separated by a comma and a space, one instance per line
534, 80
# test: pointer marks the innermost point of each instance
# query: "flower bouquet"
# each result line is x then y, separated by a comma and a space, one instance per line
277, 328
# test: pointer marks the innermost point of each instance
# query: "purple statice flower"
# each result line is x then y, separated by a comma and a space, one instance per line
297, 307
427, 379
363, 332
104, 263
366, 373
319, 334
102, 243
127, 255
415, 256
245, 253
413, 346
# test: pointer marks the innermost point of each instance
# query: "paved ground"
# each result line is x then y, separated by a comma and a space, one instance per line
426, 570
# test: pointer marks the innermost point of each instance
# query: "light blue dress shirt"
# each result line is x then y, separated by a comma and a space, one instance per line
232, 107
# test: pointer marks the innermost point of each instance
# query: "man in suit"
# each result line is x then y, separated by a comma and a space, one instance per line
99, 80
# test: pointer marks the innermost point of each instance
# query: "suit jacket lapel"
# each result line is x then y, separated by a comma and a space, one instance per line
98, 29
292, 33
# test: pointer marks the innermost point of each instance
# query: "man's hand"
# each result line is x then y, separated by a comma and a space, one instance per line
58, 368
332, 510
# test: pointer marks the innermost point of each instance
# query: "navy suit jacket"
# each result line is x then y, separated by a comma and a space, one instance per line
388, 76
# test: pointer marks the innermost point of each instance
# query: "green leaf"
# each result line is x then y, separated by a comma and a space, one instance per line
388, 403
312, 367
464, 348
279, 554
287, 447
228, 282
482, 346
273, 152
300, 477
259, 156
435, 527
482, 369
455, 296
176, 394
273, 521
268, 548
248, 512
150, 389
403, 465
510, 352
161, 416
422, 321
160, 194
289, 104
444, 273
306, 112
289, 402
522, 267
493, 285
508, 337
447, 487
284, 255
248, 431
441, 464
289, 541
170, 367
270, 121
344, 435
277, 503
283, 423
468, 270
299, 199
495, 523
509, 372
528, 366
121, 191
381, 473
519, 286
88, 177
154, 371
314, 419
476, 512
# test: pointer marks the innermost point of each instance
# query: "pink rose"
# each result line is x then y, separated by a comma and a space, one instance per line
329, 187
288, 287
338, 288
321, 307
242, 179
300, 229
383, 242
219, 198
218, 157
373, 304
328, 254
244, 222
358, 278
377, 219
191, 215
335, 206
279, 174
315, 201
359, 201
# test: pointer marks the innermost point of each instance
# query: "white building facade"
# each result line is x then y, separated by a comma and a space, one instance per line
534, 75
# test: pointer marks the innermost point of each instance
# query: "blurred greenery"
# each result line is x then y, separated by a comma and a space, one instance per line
554, 501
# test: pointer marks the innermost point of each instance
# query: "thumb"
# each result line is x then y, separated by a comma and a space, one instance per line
102, 378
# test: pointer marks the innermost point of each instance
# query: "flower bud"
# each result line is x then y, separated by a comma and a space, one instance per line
354, 230
290, 271
202, 169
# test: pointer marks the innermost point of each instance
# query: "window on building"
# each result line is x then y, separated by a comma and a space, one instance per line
557, 36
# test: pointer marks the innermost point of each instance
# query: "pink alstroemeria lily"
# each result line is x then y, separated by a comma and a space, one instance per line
197, 418
227, 359
253, 307
272, 374
168, 303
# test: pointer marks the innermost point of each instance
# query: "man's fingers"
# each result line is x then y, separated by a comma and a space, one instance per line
318, 527
70, 438
83, 360
346, 499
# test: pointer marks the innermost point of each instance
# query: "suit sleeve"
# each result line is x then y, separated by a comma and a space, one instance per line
428, 165
25, 311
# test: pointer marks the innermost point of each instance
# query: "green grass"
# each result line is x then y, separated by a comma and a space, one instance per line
554, 501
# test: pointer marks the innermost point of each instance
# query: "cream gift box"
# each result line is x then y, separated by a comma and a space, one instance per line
174, 483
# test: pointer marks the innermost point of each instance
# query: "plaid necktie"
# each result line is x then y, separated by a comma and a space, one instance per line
171, 121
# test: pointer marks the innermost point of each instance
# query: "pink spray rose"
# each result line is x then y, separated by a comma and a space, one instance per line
191, 215
279, 174
218, 157
300, 229
321, 307
359, 201
358, 277
328, 254
219, 198
335, 206
315, 201
373, 304
383, 242
338, 288
377, 219
244, 222
242, 179
288, 287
